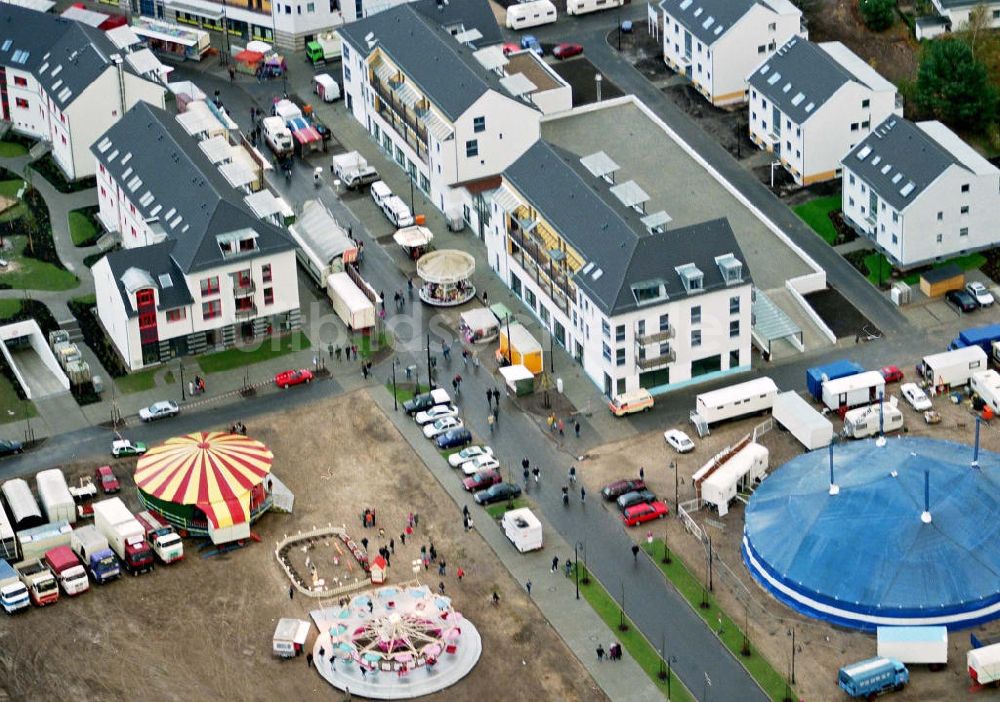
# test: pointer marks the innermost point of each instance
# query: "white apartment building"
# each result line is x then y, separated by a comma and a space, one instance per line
443, 110
920, 193
713, 42
957, 11
216, 274
811, 103
65, 83
637, 304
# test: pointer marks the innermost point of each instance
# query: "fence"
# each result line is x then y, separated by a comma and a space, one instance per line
293, 577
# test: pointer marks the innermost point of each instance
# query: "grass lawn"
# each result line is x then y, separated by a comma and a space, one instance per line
11, 149
82, 228
873, 262
496, 510
137, 382
816, 213
405, 390
637, 645
272, 347
32, 274
8, 308
691, 588
10, 187
366, 347
966, 263
13, 409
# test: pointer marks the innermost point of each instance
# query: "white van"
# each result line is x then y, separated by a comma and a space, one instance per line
633, 401
397, 212
380, 192
326, 87
531, 14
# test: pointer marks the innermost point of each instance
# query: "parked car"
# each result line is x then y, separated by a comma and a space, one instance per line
480, 463
159, 410
424, 401
645, 512
680, 441
612, 491
107, 480
9, 447
566, 50
510, 48
453, 438
497, 493
288, 378
634, 498
441, 426
121, 448
530, 41
892, 374
915, 396
979, 293
482, 480
435, 413
467, 454
961, 300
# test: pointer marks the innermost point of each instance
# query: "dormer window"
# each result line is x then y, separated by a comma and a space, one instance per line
731, 268
692, 277
240, 241
649, 291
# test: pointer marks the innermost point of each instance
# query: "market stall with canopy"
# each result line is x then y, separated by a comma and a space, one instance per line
447, 277
414, 240
479, 326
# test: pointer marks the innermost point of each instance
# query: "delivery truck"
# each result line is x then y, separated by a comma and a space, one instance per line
324, 48
986, 384
39, 581
865, 421
984, 664
984, 337
924, 645
54, 494
352, 306
13, 594
523, 529
850, 391
952, 368
95, 552
161, 537
873, 677
815, 377
23, 509
739, 400
125, 535
353, 170
66, 567
277, 136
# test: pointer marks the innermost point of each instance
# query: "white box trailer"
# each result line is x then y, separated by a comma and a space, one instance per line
745, 468
350, 304
984, 664
56, 499
986, 384
865, 421
289, 637
736, 400
926, 645
8, 540
953, 368
323, 245
531, 14
582, 7
801, 419
523, 529
36, 541
853, 390
24, 511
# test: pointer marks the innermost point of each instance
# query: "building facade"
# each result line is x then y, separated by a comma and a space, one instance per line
713, 42
920, 193
958, 11
811, 103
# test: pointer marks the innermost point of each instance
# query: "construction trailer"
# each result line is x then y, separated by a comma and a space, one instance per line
739, 400
953, 368
986, 384
815, 377
853, 390
801, 419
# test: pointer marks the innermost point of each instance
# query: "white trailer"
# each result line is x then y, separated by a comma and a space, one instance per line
323, 245
23, 508
811, 428
865, 421
8, 540
290, 637
743, 469
523, 529
986, 384
350, 304
582, 7
853, 390
531, 14
277, 135
736, 400
926, 645
36, 541
984, 664
953, 368
56, 499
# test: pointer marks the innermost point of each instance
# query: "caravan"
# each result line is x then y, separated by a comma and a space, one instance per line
986, 384
736, 400
582, 7
530, 14
853, 390
865, 421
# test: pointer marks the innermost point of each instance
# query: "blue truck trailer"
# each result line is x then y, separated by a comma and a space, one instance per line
872, 677
831, 371
983, 337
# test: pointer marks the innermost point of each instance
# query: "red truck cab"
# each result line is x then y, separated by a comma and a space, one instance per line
68, 570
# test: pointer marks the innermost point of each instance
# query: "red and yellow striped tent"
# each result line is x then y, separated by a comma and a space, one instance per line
213, 471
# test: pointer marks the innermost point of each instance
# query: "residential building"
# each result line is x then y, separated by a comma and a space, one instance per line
443, 110
201, 269
65, 83
920, 193
811, 103
713, 42
958, 11
637, 304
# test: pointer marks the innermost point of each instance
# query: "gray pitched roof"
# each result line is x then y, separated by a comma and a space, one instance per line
955, 4
899, 160
444, 70
581, 208
178, 186
707, 20
467, 14
799, 78
156, 260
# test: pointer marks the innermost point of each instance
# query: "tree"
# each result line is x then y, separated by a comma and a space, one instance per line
953, 87
878, 15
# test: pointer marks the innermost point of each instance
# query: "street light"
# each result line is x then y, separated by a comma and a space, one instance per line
673, 467
791, 631
183, 395
395, 398
576, 560
622, 626
670, 659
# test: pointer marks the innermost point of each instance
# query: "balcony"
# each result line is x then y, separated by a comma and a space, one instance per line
244, 287
654, 338
246, 312
648, 364
404, 120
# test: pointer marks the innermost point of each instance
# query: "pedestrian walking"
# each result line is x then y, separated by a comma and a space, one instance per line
392, 546
232, 74
555, 564
536, 471
495, 598
551, 421
572, 474
526, 478
441, 567
465, 357
642, 473
433, 552
496, 413
441, 587
568, 567
496, 397
364, 673
409, 520
337, 353
364, 370
460, 573
402, 538
565, 495
635, 552
562, 428
465, 510
489, 398
600, 653
525, 463
583, 494
291, 592
576, 428
485, 298
309, 660
490, 421
527, 586
465, 522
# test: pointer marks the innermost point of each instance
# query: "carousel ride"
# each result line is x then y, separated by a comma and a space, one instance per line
395, 643
446, 277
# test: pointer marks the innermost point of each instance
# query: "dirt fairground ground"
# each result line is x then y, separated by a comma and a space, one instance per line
820, 648
202, 629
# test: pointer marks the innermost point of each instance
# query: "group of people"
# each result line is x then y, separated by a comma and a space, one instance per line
557, 424
350, 352
614, 652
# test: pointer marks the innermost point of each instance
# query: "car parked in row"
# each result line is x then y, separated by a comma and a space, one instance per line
435, 413
916, 397
426, 400
980, 293
961, 300
454, 438
107, 480
891, 374
567, 50
644, 512
159, 410
287, 378
612, 491
530, 41
9, 447
497, 493
441, 426
480, 463
467, 454
634, 498
482, 480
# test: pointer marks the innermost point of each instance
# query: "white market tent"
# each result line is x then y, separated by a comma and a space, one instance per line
480, 324
264, 203
811, 428
446, 266
412, 237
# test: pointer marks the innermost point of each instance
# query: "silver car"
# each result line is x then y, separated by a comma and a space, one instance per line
159, 410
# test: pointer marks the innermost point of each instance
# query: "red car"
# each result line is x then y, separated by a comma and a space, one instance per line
892, 374
108, 481
646, 512
509, 48
482, 480
293, 377
563, 51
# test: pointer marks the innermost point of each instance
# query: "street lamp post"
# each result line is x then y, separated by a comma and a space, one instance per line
622, 626
409, 172
673, 465
792, 630
576, 569
183, 395
430, 371
395, 397
670, 659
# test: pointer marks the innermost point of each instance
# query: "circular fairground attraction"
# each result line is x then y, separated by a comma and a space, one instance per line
447, 277
903, 534
395, 643
207, 483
